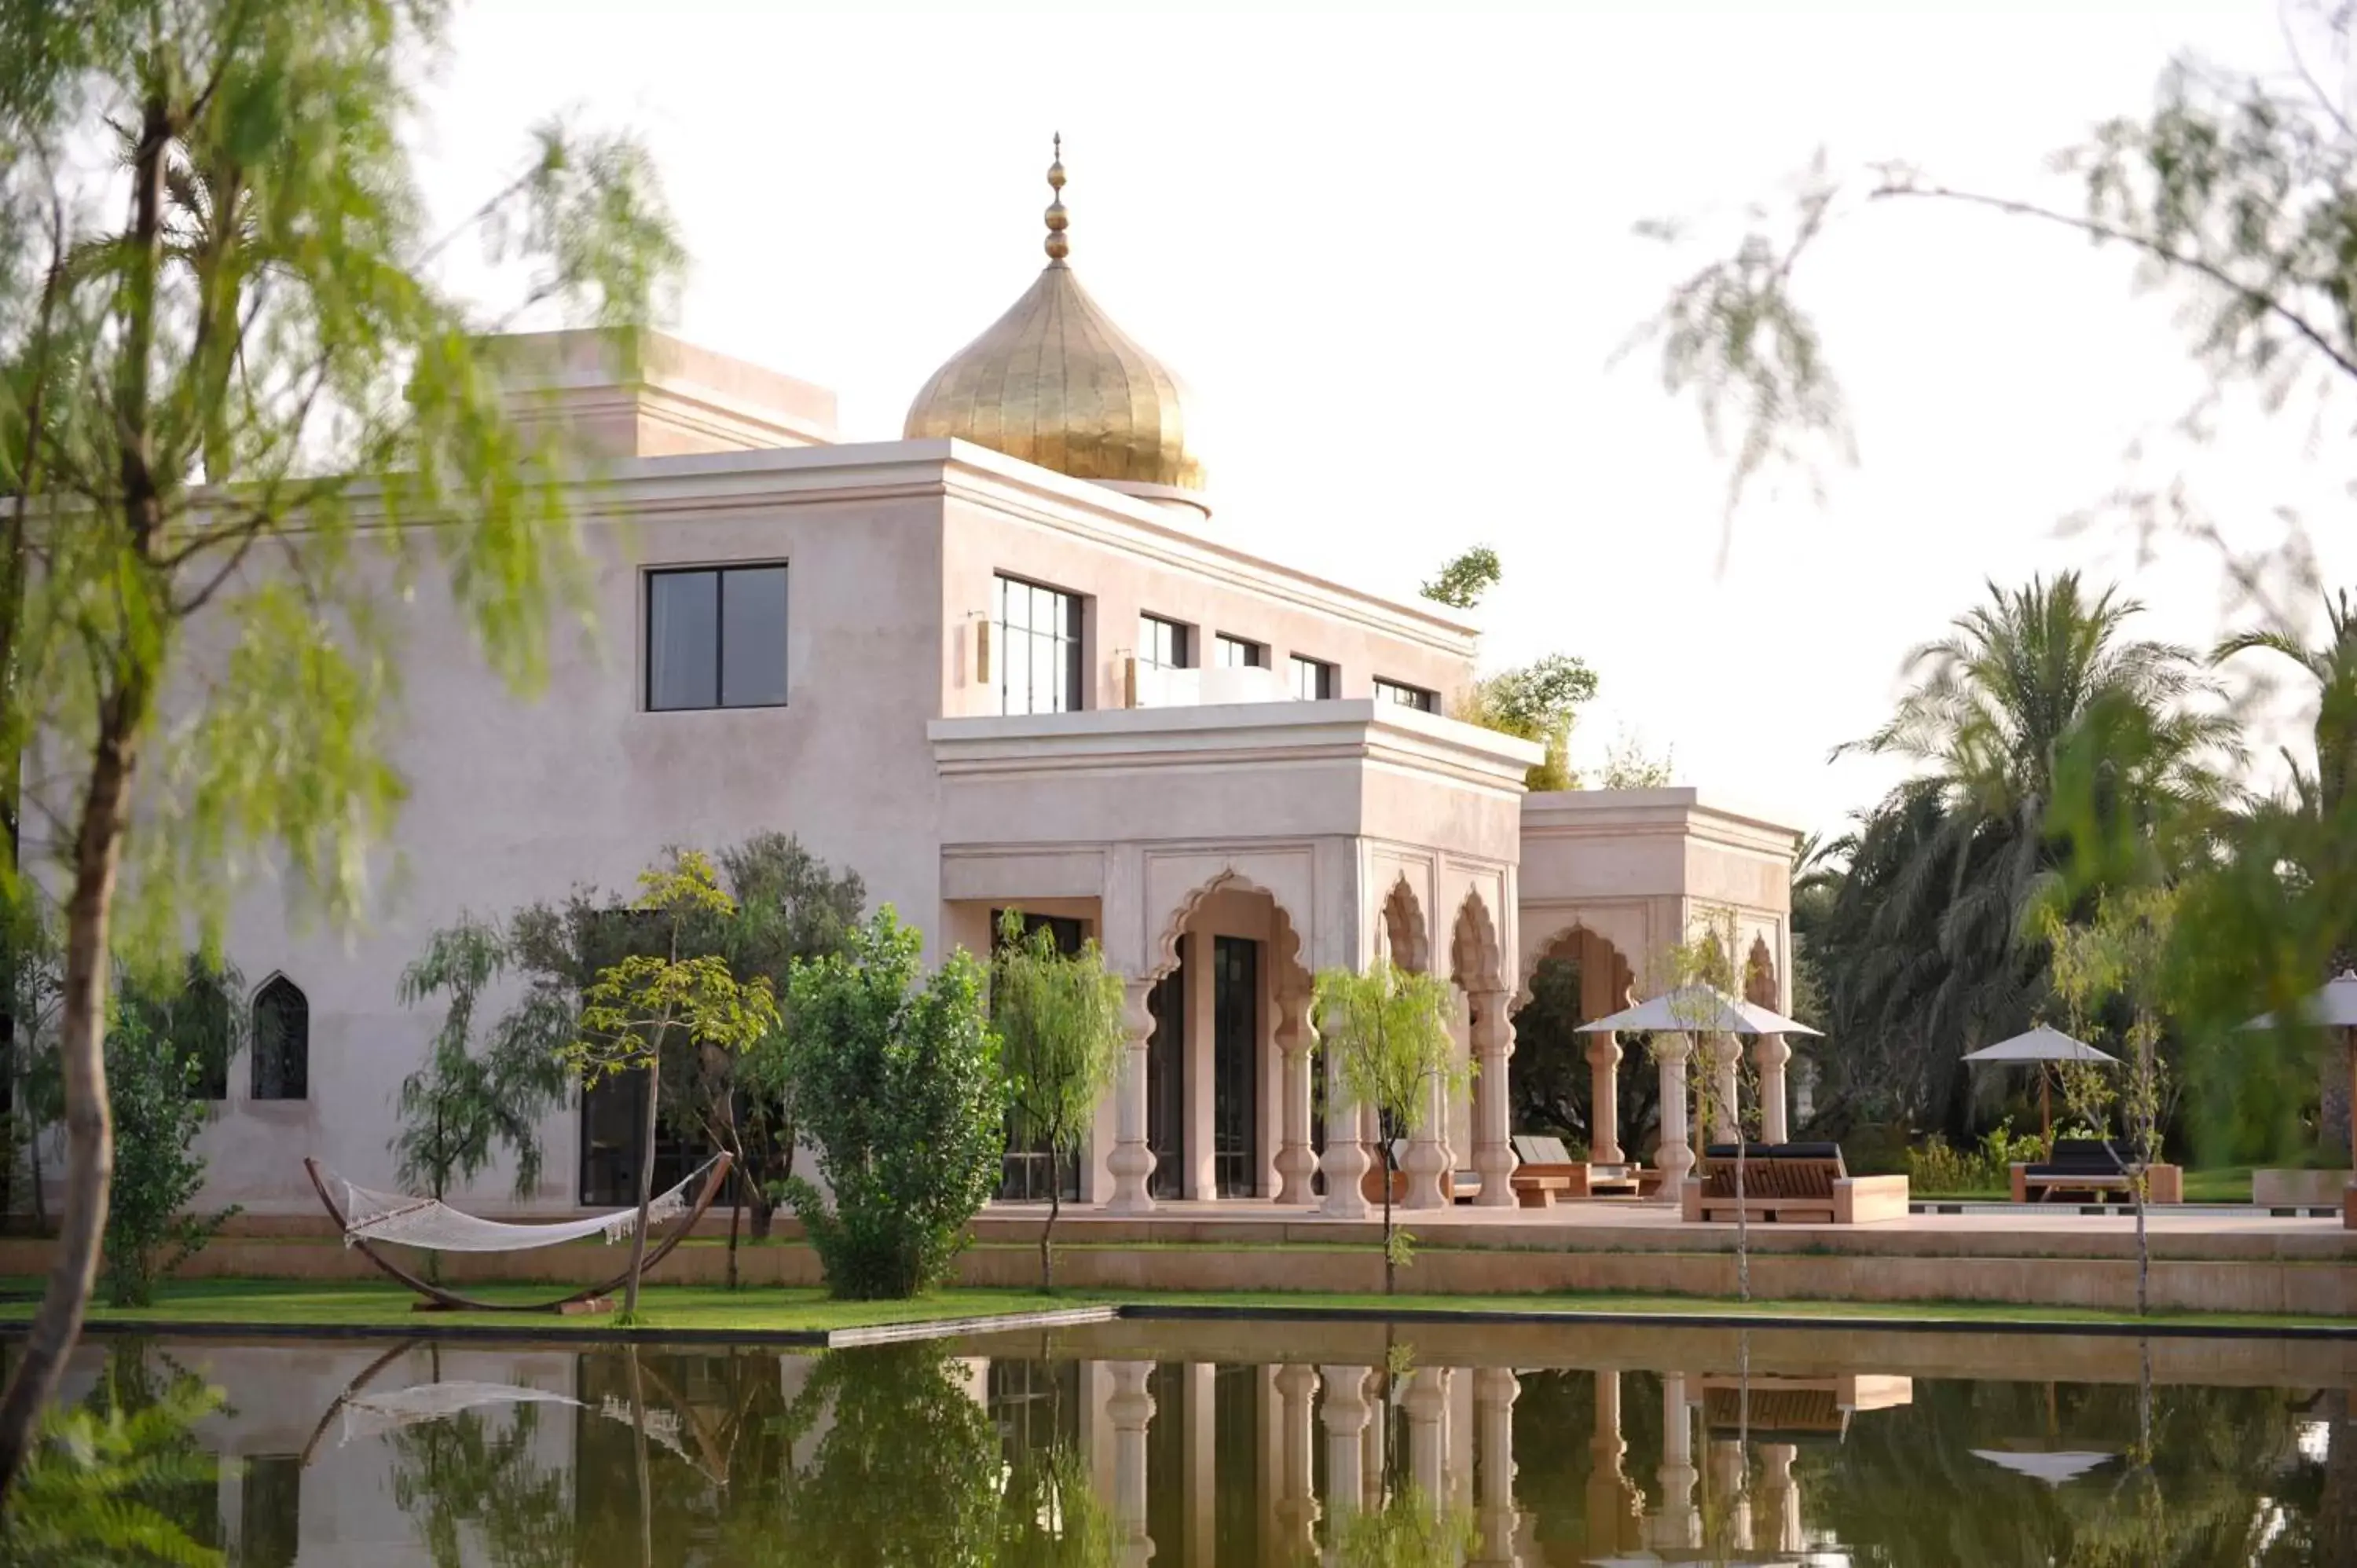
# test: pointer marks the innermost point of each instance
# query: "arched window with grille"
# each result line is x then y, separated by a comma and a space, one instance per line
282, 1041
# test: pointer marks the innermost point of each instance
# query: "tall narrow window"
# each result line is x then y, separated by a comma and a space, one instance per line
1407, 696
716, 639
1235, 1065
1039, 649
282, 1042
1314, 679
1165, 644
1236, 653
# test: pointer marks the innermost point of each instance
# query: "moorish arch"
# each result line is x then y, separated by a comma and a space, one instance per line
1474, 961
1478, 966
1759, 987
1214, 1092
1407, 942
1608, 979
1576, 975
1770, 1053
1285, 938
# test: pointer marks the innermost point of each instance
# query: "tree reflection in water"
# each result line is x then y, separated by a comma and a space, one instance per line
912, 1455
481, 1489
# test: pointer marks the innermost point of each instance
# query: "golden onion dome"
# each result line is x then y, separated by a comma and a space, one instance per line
1055, 382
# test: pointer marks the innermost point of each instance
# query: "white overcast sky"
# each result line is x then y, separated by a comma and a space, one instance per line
1392, 255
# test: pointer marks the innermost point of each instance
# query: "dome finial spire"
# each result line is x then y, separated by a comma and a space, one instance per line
1058, 246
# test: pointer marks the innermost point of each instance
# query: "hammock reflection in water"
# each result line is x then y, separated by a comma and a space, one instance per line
370, 1413
373, 1416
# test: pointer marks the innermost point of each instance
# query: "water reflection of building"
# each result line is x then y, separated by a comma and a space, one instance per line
668, 1456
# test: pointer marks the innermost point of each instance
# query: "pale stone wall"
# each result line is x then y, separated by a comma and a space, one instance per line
887, 759
513, 801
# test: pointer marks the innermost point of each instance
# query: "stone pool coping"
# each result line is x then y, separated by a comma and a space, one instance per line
968, 1326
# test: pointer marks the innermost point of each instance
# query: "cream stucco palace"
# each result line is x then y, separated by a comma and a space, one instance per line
1009, 659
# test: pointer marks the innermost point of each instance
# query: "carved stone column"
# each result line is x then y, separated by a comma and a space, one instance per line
1769, 1055
1430, 1166
1130, 1410
1345, 1163
1676, 1158
1604, 1098
1426, 1160
1132, 1160
1346, 1417
1724, 1052
1678, 1527
1782, 1496
1427, 1404
1729, 1483
1495, 1390
1297, 1504
1493, 1105
1296, 1039
1607, 1482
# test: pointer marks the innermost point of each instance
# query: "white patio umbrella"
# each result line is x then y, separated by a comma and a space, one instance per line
2333, 1005
2053, 1468
1698, 1009
2042, 1045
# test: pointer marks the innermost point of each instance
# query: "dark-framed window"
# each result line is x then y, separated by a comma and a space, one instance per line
1240, 653
1407, 696
270, 1511
1314, 679
1165, 644
1039, 648
717, 638
613, 1132
282, 1041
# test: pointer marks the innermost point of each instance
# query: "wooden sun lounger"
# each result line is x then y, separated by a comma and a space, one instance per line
1802, 1183
2083, 1169
1547, 1172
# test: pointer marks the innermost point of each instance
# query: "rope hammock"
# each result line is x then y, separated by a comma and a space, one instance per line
367, 1216
430, 1223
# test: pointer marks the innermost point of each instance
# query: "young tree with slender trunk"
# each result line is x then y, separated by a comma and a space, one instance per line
361, 435
475, 1095
2121, 959
1388, 1032
1699, 974
643, 1003
1059, 1031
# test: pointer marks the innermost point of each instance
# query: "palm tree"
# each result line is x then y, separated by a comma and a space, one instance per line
2311, 818
2332, 664
2046, 734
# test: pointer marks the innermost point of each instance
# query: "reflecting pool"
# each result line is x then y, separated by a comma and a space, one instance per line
1190, 1443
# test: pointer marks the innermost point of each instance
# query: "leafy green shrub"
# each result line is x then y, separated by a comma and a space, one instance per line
1936, 1167
1877, 1148
98, 1490
151, 1084
896, 1074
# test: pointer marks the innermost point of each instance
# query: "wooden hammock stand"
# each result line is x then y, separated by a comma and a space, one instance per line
591, 1298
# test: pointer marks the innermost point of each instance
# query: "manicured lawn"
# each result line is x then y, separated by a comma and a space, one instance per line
2221, 1184
265, 1304
367, 1304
